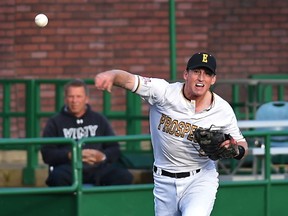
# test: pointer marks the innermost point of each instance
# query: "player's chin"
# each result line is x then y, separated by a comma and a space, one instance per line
201, 90
198, 92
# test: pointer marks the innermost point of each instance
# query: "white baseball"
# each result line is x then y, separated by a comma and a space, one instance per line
41, 20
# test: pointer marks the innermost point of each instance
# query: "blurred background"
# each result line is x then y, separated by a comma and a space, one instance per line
153, 38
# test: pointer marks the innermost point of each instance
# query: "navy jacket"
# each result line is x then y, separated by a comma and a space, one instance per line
64, 124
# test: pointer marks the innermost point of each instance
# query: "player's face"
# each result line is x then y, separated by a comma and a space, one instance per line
76, 100
198, 82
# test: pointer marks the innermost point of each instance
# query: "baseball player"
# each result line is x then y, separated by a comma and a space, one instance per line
185, 181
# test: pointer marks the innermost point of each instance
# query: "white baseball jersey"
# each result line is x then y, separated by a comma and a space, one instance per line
173, 120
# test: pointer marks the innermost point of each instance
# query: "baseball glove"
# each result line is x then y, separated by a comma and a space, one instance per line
210, 141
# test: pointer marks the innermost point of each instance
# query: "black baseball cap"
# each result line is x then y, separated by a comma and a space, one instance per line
202, 60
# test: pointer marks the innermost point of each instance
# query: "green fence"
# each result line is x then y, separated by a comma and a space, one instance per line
266, 197
26, 94
246, 95
23, 108
21, 99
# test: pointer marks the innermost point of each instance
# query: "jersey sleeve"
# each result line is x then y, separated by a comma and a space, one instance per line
151, 89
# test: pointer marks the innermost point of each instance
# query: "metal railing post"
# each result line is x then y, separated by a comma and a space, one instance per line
173, 67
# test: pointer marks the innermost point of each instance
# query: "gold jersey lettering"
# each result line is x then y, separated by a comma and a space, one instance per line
173, 127
162, 121
165, 121
167, 124
191, 134
176, 128
180, 129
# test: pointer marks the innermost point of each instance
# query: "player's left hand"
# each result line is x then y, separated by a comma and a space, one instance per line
215, 144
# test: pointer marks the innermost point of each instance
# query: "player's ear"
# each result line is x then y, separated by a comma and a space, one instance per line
185, 74
213, 80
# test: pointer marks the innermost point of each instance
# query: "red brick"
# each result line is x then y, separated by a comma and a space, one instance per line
135, 35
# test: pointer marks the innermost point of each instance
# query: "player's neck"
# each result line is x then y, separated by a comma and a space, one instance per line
204, 102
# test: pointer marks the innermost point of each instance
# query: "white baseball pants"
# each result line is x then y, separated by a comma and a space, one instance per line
190, 196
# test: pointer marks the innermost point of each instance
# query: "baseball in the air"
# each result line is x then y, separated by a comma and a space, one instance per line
41, 20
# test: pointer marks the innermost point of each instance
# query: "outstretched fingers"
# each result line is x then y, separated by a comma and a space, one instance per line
103, 81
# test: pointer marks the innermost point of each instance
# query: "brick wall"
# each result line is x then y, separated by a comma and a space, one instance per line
249, 37
86, 37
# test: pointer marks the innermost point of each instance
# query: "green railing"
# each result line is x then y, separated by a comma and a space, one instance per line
30, 103
26, 94
248, 94
267, 196
35, 143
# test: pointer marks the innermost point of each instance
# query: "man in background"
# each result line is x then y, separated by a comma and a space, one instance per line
77, 120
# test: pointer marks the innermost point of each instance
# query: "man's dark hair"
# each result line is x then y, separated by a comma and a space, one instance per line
76, 83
